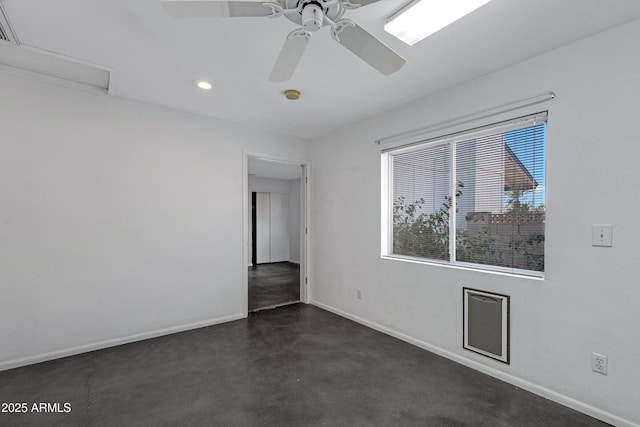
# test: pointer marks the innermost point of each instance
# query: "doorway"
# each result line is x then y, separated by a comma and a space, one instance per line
276, 219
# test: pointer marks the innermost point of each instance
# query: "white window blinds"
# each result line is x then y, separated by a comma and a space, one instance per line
476, 197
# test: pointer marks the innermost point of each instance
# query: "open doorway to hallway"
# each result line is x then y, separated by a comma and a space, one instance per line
273, 285
275, 239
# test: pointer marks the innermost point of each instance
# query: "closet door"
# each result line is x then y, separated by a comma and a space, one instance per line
263, 241
279, 220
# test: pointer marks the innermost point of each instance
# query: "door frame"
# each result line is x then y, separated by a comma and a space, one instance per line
305, 224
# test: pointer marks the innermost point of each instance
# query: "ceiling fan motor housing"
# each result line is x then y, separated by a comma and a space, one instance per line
312, 12
312, 15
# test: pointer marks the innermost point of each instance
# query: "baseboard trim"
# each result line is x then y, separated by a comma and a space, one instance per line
511, 379
44, 357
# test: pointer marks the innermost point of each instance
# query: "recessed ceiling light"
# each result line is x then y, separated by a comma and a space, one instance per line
420, 18
204, 85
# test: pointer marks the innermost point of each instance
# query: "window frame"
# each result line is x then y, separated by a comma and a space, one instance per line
417, 142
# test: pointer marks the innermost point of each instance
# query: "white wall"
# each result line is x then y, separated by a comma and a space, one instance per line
589, 300
118, 220
291, 187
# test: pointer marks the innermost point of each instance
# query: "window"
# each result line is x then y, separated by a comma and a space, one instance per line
474, 198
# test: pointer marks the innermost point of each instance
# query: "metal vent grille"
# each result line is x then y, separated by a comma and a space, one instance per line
486, 323
3, 34
6, 35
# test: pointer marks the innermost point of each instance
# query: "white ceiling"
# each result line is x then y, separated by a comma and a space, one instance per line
155, 58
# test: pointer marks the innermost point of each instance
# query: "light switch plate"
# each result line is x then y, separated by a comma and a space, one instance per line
602, 235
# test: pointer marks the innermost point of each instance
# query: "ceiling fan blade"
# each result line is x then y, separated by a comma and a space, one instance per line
218, 9
290, 55
368, 47
362, 3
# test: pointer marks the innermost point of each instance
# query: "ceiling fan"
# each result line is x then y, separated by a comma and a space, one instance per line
311, 15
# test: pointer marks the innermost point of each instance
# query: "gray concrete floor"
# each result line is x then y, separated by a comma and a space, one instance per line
293, 366
273, 284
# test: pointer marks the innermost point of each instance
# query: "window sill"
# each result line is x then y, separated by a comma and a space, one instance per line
520, 274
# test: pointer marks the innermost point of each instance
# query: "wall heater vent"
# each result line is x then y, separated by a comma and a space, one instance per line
486, 323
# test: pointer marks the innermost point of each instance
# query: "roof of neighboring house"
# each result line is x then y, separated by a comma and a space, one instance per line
516, 175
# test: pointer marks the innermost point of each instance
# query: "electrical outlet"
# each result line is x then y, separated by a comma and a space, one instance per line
359, 293
599, 363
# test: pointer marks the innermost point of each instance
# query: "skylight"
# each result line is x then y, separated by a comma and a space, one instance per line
421, 18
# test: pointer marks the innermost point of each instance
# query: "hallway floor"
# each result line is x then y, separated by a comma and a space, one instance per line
273, 284
293, 366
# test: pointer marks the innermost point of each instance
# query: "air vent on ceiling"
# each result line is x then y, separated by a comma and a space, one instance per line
3, 34
37, 64
6, 34
50, 67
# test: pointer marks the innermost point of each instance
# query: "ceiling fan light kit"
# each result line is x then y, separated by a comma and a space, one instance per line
311, 16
